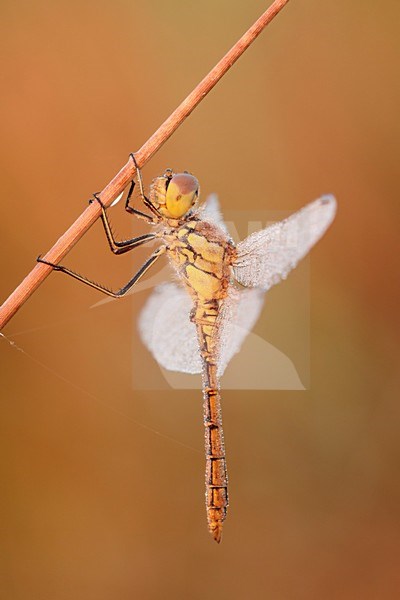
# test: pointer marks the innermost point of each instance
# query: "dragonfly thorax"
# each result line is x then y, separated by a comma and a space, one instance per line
174, 194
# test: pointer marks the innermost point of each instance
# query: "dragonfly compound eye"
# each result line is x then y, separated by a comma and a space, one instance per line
182, 193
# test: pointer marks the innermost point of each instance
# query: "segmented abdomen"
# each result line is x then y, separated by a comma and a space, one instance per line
206, 318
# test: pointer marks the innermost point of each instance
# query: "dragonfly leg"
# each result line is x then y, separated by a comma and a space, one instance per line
133, 211
145, 199
123, 290
120, 247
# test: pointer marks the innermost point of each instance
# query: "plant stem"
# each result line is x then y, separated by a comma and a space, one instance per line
119, 182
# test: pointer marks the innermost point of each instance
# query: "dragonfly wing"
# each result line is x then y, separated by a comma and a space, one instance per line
266, 257
167, 332
238, 314
211, 212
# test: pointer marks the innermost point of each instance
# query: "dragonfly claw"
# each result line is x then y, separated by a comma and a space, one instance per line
45, 262
132, 156
96, 197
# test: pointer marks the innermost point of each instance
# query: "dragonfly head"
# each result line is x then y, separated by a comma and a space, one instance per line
174, 194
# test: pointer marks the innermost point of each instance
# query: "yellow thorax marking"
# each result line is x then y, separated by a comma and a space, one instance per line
205, 265
210, 251
187, 227
188, 254
203, 283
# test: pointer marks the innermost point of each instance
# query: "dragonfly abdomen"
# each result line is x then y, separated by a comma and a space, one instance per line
216, 472
205, 316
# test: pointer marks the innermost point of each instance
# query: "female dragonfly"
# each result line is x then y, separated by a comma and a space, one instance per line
217, 313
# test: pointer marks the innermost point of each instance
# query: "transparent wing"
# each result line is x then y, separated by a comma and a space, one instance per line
211, 212
166, 329
170, 336
266, 257
239, 312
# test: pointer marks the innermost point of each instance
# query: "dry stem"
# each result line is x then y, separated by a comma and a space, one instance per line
119, 182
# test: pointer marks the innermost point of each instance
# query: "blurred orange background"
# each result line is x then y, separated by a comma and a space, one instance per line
103, 484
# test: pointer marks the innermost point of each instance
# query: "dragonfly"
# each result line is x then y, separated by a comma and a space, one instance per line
198, 323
